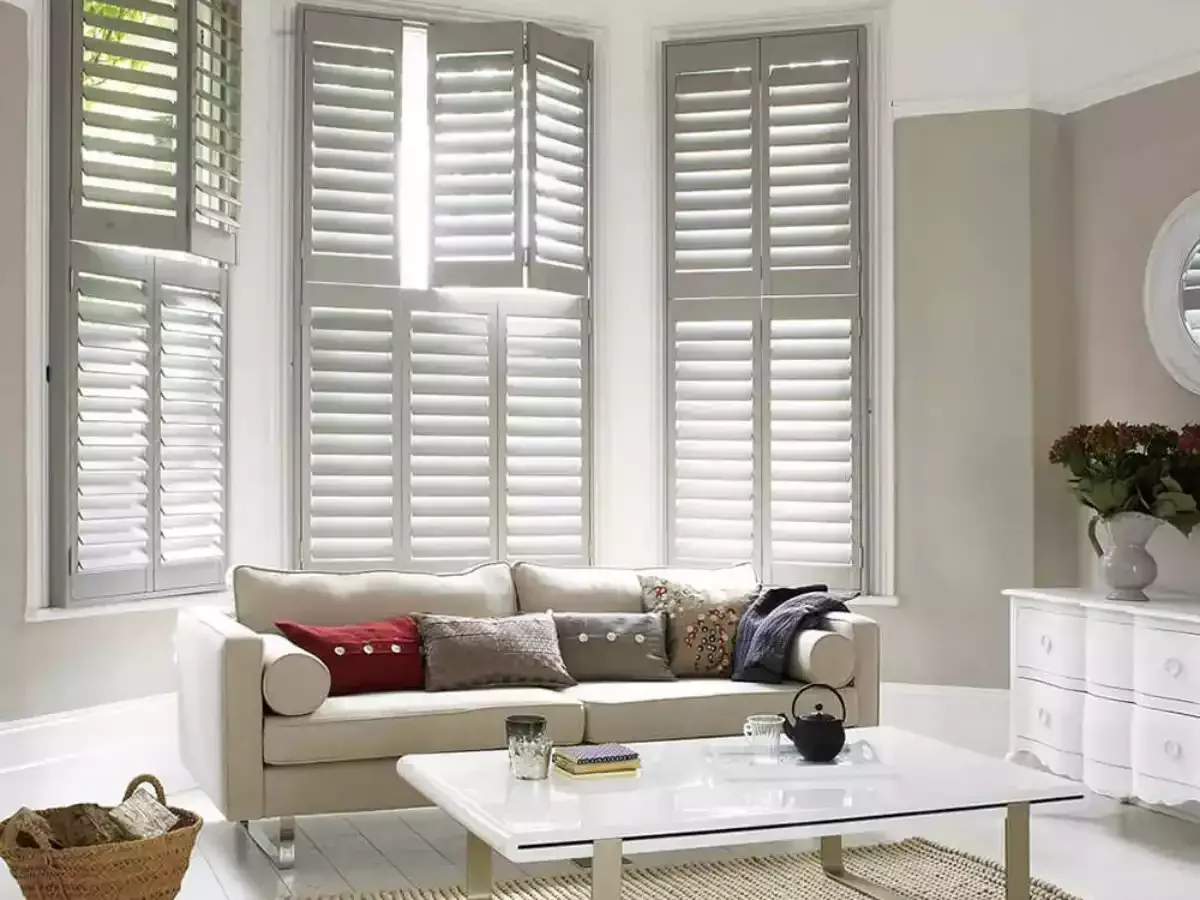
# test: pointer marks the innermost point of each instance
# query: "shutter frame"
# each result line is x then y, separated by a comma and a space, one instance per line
377, 261
544, 217
176, 227
470, 268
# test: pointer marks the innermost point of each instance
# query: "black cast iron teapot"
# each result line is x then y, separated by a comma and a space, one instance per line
818, 736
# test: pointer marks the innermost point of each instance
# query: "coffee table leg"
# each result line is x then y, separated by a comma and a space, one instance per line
479, 869
1016, 852
834, 867
831, 855
606, 870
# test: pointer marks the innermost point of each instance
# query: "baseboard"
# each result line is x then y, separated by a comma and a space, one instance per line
90, 754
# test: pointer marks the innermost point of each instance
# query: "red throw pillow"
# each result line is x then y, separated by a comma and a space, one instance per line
372, 656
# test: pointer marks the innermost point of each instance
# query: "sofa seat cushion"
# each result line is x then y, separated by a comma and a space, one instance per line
390, 724
626, 711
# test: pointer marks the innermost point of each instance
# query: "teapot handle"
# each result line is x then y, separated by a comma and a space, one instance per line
827, 687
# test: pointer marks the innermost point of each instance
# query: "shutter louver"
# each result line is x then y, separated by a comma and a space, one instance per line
191, 412
544, 488
811, 167
713, 423
559, 100
350, 178
351, 452
810, 471
713, 131
216, 118
477, 128
1191, 296
114, 322
451, 439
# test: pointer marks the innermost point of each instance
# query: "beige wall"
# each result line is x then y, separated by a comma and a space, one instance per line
975, 281
53, 666
1135, 159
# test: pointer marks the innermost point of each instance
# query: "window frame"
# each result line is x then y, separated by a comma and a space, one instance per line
409, 299
873, 325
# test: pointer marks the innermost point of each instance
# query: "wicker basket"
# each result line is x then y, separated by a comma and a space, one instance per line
149, 869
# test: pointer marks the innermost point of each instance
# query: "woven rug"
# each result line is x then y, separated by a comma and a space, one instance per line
916, 868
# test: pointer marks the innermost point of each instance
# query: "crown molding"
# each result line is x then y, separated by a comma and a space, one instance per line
1129, 82
907, 109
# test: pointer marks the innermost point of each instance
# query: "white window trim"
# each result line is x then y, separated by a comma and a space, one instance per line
880, 316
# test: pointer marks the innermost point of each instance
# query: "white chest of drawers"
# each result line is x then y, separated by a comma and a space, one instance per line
1108, 693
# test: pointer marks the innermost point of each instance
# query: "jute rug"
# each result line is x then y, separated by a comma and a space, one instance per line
916, 868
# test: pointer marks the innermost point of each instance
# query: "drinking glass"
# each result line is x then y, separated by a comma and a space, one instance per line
528, 747
764, 732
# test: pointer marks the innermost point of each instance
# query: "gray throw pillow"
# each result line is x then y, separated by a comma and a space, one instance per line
614, 646
464, 652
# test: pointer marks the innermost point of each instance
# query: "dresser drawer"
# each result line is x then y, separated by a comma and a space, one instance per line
1167, 664
1106, 727
1049, 715
1110, 654
1166, 746
1050, 642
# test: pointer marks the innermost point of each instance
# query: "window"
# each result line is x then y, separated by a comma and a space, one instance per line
765, 352
443, 293
144, 210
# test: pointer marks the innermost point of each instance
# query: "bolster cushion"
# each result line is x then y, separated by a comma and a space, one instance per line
294, 681
822, 657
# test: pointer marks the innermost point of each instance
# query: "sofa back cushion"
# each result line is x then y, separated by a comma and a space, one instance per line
263, 597
593, 589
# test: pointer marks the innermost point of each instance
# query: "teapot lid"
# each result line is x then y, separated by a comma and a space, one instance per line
819, 715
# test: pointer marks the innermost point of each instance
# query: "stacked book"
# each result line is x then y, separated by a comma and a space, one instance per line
601, 759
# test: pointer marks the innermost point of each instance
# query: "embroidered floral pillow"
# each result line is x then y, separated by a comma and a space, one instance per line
701, 626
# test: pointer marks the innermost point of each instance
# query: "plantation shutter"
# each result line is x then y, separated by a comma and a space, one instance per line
559, 90
812, 445
451, 435
350, 456
154, 110
765, 344
351, 136
812, 207
147, 424
713, 202
1191, 295
713, 382
477, 149
543, 482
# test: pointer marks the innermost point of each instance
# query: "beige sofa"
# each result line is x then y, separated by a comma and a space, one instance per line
255, 763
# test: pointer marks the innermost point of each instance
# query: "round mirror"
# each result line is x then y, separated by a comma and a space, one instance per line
1171, 298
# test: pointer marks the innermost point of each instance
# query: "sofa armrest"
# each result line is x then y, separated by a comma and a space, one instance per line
864, 633
221, 709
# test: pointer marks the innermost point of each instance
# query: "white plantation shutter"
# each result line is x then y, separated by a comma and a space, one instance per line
768, 416
351, 136
558, 81
350, 455
811, 167
451, 437
812, 448
476, 77
1191, 295
713, 242
147, 428
154, 106
714, 420
544, 476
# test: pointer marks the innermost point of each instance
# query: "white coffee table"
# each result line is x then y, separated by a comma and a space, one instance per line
712, 793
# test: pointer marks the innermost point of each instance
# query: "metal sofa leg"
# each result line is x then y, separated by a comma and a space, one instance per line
279, 849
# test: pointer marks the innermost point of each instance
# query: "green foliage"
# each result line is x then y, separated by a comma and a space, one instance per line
1151, 469
116, 13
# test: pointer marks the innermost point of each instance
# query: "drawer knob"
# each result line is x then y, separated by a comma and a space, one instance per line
1044, 716
1172, 749
1047, 644
1174, 667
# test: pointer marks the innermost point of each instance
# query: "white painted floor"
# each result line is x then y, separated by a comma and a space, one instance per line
1099, 850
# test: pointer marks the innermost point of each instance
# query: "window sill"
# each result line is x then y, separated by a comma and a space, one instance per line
873, 600
213, 600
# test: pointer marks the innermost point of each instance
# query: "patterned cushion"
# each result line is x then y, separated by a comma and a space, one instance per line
702, 625
472, 653
614, 646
